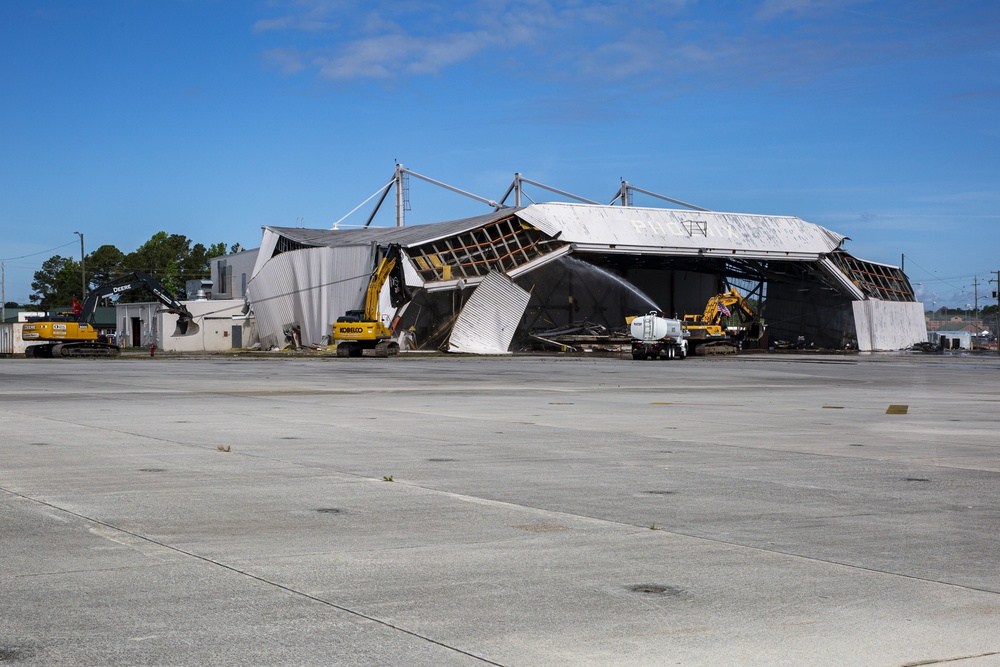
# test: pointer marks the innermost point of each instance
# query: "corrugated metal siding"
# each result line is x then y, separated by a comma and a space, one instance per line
669, 231
888, 325
10, 338
310, 287
267, 244
490, 317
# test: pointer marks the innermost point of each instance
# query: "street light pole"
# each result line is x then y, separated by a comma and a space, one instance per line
83, 270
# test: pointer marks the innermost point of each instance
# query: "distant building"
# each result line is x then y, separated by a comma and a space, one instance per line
951, 340
231, 274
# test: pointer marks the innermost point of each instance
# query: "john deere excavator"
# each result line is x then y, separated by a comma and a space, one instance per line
72, 334
360, 330
706, 333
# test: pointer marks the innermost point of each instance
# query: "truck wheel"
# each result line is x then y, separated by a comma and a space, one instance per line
638, 355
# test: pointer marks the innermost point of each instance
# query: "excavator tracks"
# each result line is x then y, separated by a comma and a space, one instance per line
72, 351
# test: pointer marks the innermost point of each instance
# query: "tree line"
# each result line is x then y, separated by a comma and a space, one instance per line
944, 312
169, 258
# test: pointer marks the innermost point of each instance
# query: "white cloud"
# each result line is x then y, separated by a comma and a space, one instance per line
289, 61
672, 45
385, 56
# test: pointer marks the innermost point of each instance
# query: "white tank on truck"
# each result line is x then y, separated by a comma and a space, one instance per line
655, 336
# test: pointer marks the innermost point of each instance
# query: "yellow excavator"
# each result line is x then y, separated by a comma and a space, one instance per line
706, 332
360, 330
72, 334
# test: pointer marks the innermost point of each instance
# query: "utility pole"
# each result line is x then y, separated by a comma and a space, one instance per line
3, 291
83, 271
975, 292
975, 297
996, 325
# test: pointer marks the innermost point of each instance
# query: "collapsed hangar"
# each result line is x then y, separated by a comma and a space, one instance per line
568, 264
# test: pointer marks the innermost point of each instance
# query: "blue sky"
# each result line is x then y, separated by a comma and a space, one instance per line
210, 118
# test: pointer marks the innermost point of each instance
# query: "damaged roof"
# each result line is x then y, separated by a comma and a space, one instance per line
405, 236
682, 232
615, 229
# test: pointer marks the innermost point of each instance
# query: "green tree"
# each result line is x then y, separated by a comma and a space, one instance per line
56, 283
172, 260
196, 264
168, 258
104, 265
163, 257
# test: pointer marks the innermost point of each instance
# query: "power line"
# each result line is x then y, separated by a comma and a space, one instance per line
7, 259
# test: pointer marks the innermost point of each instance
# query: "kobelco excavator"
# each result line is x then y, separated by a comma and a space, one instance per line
360, 330
72, 334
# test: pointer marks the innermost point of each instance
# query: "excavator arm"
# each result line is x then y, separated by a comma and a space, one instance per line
730, 300
378, 279
137, 280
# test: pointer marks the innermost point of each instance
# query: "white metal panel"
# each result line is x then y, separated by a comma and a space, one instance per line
670, 231
311, 287
888, 325
410, 275
268, 241
490, 317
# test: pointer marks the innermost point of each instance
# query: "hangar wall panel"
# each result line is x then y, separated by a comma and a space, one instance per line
490, 317
889, 325
310, 288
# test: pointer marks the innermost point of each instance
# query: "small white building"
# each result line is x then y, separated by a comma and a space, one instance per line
951, 340
220, 325
11, 342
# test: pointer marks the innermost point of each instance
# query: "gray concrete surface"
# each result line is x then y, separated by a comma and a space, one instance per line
760, 510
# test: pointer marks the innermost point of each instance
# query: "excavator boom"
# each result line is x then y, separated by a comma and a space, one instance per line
707, 332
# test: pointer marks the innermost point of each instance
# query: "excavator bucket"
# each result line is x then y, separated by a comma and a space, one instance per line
186, 326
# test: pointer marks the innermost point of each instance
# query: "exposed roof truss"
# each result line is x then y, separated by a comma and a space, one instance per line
501, 246
878, 281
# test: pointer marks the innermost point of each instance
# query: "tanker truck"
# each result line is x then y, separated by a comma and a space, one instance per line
657, 336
